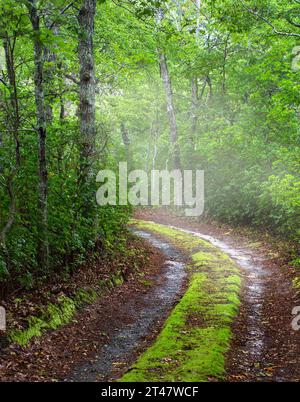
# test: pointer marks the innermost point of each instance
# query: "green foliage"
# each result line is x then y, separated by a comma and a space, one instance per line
281, 195
241, 125
72, 233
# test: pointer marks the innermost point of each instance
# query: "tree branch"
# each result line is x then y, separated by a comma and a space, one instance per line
72, 78
66, 8
261, 17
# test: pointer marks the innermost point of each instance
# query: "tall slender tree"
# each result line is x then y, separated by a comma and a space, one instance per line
14, 126
43, 244
164, 72
87, 91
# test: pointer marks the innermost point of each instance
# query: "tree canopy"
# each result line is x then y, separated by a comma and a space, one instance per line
84, 84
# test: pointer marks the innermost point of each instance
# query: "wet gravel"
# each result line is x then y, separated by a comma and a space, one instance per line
156, 304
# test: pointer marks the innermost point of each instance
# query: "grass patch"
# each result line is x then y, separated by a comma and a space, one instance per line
55, 315
193, 343
51, 318
296, 283
146, 282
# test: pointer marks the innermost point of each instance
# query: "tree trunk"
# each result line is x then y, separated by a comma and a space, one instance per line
126, 142
43, 247
14, 125
198, 23
14, 101
225, 55
175, 153
50, 58
155, 151
87, 91
11, 211
195, 99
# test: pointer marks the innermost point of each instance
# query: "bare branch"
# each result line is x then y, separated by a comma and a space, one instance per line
66, 8
72, 78
3, 82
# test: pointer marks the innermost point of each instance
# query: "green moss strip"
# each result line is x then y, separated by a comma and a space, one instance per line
193, 343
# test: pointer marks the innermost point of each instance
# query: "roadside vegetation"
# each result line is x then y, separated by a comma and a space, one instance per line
31, 314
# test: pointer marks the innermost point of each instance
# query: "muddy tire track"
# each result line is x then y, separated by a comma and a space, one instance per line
264, 346
157, 303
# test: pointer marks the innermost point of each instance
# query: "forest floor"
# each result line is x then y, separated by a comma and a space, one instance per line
264, 346
106, 337
59, 354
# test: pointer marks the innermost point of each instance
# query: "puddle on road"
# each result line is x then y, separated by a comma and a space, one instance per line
157, 301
